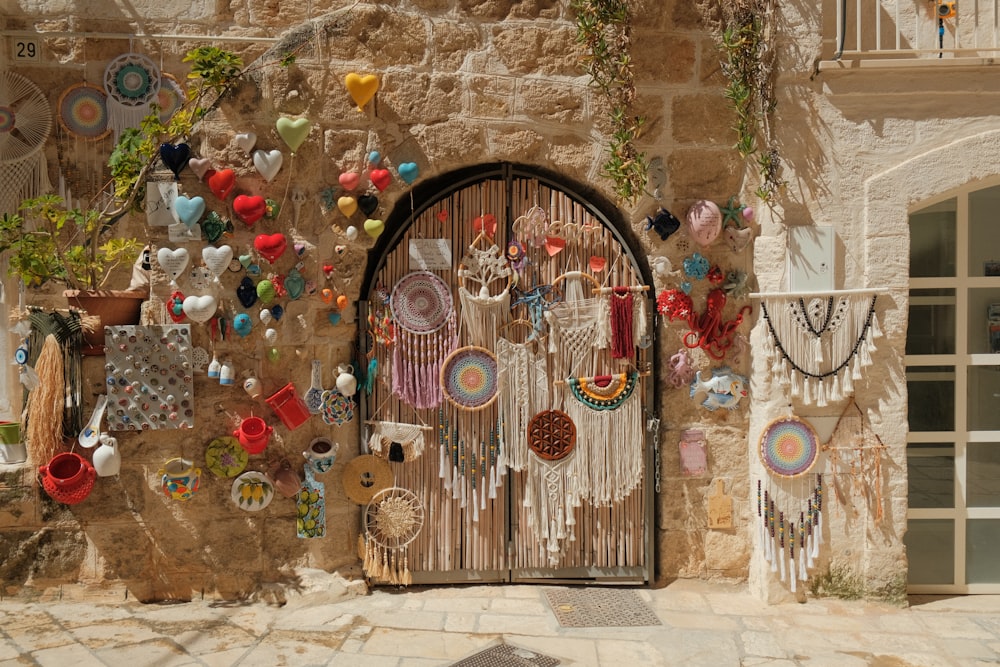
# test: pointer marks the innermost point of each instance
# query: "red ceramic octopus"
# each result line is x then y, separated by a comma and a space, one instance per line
708, 330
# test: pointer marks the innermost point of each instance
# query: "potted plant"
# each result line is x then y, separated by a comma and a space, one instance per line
47, 241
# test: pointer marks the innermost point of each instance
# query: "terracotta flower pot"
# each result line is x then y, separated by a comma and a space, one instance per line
113, 307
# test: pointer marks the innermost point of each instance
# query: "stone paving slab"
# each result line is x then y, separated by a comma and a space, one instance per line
703, 624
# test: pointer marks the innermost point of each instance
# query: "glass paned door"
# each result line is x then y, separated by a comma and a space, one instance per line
953, 382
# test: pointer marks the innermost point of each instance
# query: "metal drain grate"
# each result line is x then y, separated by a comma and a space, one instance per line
599, 608
505, 655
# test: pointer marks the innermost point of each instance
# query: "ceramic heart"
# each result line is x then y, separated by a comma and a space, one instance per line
270, 246
175, 307
268, 163
175, 157
200, 166
217, 259
246, 292
213, 227
200, 308
266, 292
250, 208
221, 182
347, 206
738, 239
597, 263
242, 325
295, 284
189, 211
277, 312
349, 180
361, 88
368, 204
374, 157
554, 245
380, 178
294, 132
374, 227
246, 141
351, 233
173, 261
408, 171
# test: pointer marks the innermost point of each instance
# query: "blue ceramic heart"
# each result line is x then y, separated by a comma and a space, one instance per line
408, 171
277, 312
374, 157
189, 211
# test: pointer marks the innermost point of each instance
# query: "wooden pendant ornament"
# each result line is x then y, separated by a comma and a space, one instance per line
551, 435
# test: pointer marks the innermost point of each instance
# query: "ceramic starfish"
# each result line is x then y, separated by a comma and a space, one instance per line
732, 211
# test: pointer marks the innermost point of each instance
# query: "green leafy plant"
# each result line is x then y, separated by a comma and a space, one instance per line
51, 242
604, 28
749, 69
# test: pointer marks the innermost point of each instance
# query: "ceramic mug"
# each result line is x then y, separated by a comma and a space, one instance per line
253, 434
179, 479
321, 454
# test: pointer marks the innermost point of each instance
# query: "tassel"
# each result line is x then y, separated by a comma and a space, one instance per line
475, 506
465, 496
856, 372
796, 388
493, 482
361, 546
783, 377
835, 394
774, 559
561, 530
781, 564
866, 354
874, 327
456, 492
793, 574
803, 575
482, 500
407, 578
818, 350
393, 575
553, 545
806, 390
848, 382
820, 393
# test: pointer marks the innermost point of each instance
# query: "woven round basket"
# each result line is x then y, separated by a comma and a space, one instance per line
366, 475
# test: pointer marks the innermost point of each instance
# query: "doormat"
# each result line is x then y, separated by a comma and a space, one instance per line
599, 608
505, 655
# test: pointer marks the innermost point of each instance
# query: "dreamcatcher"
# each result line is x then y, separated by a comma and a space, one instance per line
469, 378
422, 309
393, 519
789, 449
826, 341
132, 82
855, 453
483, 313
169, 98
608, 415
25, 123
83, 112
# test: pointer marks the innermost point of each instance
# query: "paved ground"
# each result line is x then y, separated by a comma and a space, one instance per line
701, 624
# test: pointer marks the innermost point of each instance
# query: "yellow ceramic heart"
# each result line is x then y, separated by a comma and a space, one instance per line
294, 132
361, 88
347, 206
374, 227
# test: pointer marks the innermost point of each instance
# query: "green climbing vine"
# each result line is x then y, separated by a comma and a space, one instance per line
604, 27
749, 67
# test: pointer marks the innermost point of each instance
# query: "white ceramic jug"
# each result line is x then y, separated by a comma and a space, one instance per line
347, 384
107, 458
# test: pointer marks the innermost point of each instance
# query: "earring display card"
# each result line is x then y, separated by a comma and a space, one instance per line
149, 377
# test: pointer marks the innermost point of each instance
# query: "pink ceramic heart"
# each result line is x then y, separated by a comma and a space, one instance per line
270, 246
349, 180
200, 166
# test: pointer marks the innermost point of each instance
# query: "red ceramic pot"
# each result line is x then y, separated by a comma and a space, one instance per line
68, 478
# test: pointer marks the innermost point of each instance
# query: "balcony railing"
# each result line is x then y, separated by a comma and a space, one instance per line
897, 32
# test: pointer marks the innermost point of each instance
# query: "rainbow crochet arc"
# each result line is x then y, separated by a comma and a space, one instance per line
789, 447
469, 378
604, 392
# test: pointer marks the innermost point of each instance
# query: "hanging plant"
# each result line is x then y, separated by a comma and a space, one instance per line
605, 28
746, 40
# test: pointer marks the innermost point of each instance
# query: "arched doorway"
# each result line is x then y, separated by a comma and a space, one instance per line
511, 334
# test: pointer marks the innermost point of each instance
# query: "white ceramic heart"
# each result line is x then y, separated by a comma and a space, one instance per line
173, 261
200, 308
268, 163
200, 166
265, 316
352, 233
271, 336
217, 259
246, 141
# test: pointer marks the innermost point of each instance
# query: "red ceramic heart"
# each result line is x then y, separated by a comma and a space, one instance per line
270, 246
221, 182
485, 224
380, 178
349, 180
250, 208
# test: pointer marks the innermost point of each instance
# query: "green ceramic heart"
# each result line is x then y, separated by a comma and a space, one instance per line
293, 131
295, 284
213, 227
266, 291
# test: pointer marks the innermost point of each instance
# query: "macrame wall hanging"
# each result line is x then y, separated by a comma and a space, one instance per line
856, 454
396, 441
483, 313
786, 534
578, 327
132, 82
393, 519
819, 346
628, 320
25, 123
424, 315
551, 485
469, 446
523, 390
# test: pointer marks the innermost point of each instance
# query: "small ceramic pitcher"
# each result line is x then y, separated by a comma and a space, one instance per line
107, 458
179, 479
321, 454
253, 434
347, 384
286, 479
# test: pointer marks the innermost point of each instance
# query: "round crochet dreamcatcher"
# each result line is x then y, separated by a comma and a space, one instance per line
421, 302
789, 447
132, 82
551, 435
25, 123
469, 378
604, 392
170, 98
393, 519
83, 112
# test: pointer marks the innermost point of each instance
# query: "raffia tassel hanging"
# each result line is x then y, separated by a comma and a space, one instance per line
43, 414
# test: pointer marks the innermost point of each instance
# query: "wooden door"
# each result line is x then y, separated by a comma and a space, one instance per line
495, 333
